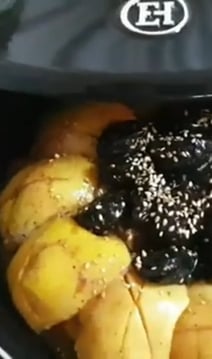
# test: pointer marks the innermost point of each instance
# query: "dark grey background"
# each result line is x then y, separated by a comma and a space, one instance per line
61, 46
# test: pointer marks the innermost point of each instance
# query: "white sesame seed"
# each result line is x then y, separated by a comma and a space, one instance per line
172, 229
165, 222
144, 253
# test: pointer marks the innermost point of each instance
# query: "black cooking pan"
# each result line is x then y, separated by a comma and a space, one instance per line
96, 49
21, 115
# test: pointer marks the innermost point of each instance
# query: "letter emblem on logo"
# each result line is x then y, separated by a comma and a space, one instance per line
153, 18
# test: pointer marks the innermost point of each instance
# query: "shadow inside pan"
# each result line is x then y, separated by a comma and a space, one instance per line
18, 115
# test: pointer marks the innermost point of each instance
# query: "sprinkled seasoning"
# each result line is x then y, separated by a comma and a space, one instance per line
171, 265
159, 180
104, 214
57, 156
87, 265
138, 262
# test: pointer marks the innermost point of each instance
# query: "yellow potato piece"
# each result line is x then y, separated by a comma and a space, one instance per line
160, 307
192, 337
59, 268
76, 131
43, 190
112, 327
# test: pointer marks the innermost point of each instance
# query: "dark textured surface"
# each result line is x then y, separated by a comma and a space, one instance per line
168, 266
104, 215
167, 175
48, 40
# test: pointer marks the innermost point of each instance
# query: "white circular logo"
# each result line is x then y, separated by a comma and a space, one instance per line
155, 18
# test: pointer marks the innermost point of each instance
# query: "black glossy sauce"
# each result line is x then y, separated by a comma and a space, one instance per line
158, 184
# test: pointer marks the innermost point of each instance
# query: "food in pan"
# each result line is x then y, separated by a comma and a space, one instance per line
59, 268
76, 131
111, 242
43, 189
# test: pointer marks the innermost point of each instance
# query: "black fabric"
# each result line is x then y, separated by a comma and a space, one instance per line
58, 46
